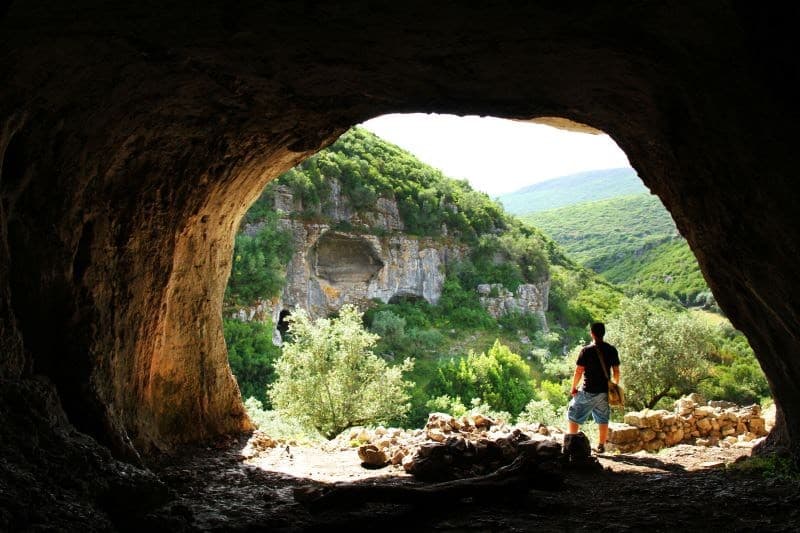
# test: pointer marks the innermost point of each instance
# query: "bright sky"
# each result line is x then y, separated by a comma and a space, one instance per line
496, 155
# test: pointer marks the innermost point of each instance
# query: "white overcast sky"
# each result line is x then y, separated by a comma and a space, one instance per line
496, 155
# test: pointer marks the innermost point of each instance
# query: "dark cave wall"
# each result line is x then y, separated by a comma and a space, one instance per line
133, 141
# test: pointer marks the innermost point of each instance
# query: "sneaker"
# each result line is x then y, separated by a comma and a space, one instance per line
601, 448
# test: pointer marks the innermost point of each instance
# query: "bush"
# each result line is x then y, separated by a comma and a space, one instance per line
390, 328
279, 427
251, 355
259, 262
446, 404
329, 379
461, 308
498, 378
544, 412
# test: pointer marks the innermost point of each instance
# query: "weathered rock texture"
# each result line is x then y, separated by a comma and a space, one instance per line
528, 298
705, 424
133, 139
374, 260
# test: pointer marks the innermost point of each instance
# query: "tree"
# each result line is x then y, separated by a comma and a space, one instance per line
329, 378
663, 353
259, 262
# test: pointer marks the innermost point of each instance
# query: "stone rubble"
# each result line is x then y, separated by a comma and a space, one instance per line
447, 448
692, 421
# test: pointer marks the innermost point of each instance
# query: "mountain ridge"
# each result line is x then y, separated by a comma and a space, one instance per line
573, 189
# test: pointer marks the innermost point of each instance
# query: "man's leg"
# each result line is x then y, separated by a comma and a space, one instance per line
603, 433
574, 427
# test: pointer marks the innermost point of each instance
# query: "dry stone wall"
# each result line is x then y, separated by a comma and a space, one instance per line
692, 421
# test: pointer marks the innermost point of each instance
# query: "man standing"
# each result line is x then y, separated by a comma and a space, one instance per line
593, 396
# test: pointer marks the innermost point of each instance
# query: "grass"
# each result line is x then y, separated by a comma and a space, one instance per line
768, 467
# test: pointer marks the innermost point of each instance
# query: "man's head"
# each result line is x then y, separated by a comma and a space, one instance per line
598, 330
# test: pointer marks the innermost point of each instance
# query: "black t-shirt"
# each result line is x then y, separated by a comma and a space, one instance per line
594, 380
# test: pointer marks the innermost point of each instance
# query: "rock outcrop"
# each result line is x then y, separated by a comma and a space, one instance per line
528, 298
374, 260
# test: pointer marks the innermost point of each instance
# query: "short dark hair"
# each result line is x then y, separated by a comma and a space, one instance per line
599, 329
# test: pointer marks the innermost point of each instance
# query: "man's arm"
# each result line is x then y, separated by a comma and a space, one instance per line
615, 373
576, 379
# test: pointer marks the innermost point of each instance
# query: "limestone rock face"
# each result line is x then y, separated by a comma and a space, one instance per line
331, 267
529, 298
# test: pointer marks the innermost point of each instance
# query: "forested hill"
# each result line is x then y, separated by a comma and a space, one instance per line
573, 189
632, 241
598, 234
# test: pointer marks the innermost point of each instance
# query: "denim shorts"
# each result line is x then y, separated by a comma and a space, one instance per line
584, 403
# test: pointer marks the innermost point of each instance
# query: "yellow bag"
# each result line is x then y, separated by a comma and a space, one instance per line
616, 396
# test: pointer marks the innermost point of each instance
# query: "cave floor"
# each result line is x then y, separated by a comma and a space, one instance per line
684, 488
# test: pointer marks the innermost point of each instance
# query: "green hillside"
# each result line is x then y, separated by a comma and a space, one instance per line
573, 189
599, 234
632, 241
668, 270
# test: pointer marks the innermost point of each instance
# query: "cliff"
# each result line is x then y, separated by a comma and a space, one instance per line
345, 255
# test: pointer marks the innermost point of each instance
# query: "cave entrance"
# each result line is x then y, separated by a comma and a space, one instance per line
283, 323
584, 211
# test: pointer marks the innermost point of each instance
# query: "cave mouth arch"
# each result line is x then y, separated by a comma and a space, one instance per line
336, 254
182, 130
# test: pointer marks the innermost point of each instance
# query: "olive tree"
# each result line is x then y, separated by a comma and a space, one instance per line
329, 378
662, 353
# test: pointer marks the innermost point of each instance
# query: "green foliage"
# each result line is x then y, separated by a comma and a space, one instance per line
526, 323
258, 263
663, 353
577, 298
461, 308
329, 379
599, 233
668, 270
573, 189
632, 241
391, 329
768, 466
735, 374
279, 427
251, 355
498, 378
446, 404
517, 256
368, 168
544, 412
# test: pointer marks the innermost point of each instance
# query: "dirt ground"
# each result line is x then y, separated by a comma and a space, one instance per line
685, 488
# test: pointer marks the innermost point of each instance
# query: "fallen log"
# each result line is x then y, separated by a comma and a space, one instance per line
538, 466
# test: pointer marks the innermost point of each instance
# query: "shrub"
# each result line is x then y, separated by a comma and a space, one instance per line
544, 412
499, 378
277, 426
251, 355
329, 378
